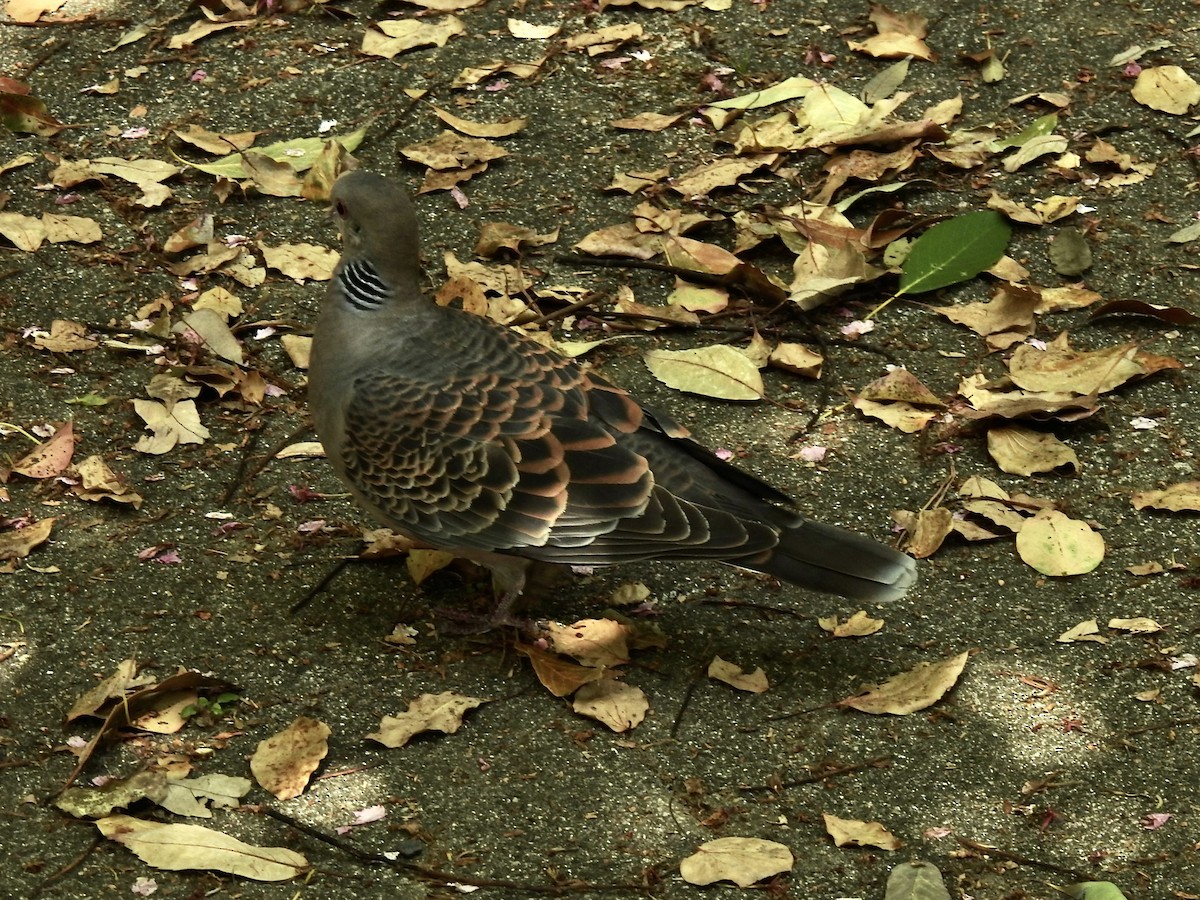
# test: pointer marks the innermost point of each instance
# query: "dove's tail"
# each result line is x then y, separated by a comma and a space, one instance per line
835, 561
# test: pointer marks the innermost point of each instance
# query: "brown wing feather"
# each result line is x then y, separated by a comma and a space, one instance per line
495, 458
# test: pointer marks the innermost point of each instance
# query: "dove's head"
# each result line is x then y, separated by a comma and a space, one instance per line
378, 225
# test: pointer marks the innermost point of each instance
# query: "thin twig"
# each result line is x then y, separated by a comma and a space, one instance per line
69, 867
570, 309
745, 604
442, 878
744, 278
240, 480
687, 700
82, 23
878, 762
1022, 859
319, 586
45, 57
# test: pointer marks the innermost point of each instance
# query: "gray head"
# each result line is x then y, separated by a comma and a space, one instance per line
378, 224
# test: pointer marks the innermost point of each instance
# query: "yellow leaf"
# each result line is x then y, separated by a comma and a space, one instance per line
1055, 544
911, 691
718, 371
177, 847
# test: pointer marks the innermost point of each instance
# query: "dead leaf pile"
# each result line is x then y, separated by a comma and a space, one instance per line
584, 660
128, 703
1047, 539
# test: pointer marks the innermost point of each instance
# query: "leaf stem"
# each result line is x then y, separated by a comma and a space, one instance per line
9, 426
882, 306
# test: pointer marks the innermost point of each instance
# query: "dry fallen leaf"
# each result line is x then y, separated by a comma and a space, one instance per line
283, 763
176, 847
298, 348
76, 229
598, 643
722, 172
858, 625
197, 31
624, 239
855, 833
528, 31
50, 458
1184, 495
606, 39
618, 705
96, 482
647, 121
123, 679
900, 400
422, 563
430, 712
29, 11
218, 143
453, 151
560, 677
497, 236
178, 424
1136, 625
273, 177
400, 35
156, 706
1167, 89
1055, 544
166, 714
120, 793
1060, 367
1147, 568
743, 861
989, 401
25, 232
900, 35
796, 358
926, 530
1010, 311
504, 128
733, 675
18, 542
911, 691
209, 325
301, 262
476, 74
191, 796
1088, 630
220, 301
1042, 212
1023, 451
716, 371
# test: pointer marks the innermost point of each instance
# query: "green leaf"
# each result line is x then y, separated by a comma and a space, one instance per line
88, 400
954, 250
1039, 127
886, 83
845, 204
916, 881
1094, 890
300, 154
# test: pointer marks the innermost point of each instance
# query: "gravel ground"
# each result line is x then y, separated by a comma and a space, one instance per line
1071, 761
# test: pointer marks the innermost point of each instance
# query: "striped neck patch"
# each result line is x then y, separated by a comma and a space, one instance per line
361, 285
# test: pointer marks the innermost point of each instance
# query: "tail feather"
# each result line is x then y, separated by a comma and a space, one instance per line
835, 561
